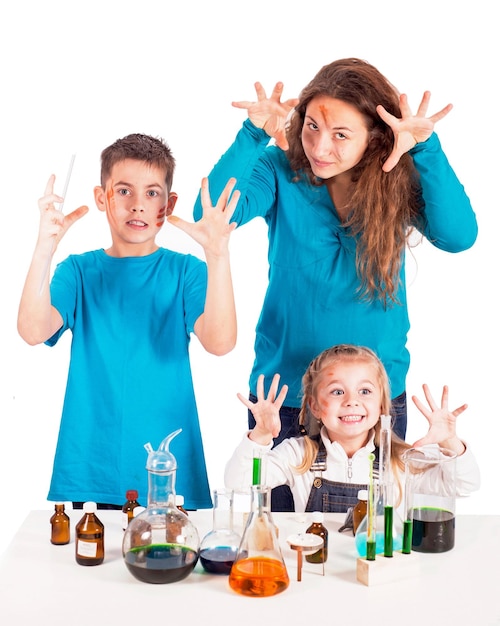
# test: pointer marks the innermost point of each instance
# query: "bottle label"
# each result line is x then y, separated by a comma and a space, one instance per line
124, 521
86, 548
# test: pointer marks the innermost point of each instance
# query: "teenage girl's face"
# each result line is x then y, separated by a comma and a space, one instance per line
348, 402
334, 136
136, 201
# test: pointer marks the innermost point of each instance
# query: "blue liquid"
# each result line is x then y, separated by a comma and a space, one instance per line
360, 540
218, 560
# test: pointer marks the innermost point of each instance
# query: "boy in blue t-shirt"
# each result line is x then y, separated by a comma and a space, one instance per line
131, 309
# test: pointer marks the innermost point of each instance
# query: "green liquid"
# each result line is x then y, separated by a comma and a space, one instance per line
161, 563
388, 520
371, 549
256, 471
407, 535
433, 530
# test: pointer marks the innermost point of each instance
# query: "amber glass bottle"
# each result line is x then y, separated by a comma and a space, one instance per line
317, 528
129, 506
89, 537
360, 510
60, 526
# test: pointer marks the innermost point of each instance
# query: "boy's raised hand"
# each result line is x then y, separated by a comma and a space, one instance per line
266, 411
213, 230
53, 223
442, 422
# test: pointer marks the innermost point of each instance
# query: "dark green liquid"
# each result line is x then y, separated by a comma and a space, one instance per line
407, 536
371, 550
388, 520
433, 530
161, 563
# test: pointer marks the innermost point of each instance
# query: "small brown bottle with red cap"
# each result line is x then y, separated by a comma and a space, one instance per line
129, 506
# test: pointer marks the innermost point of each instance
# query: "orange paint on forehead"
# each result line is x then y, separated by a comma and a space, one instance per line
324, 112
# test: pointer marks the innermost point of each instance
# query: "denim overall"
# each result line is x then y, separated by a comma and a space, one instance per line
330, 496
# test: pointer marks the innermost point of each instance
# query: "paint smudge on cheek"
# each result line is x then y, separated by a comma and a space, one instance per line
110, 197
161, 217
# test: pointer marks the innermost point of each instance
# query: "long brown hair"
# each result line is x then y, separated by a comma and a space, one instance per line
337, 355
383, 205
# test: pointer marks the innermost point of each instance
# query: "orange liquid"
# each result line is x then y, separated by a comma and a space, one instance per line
258, 577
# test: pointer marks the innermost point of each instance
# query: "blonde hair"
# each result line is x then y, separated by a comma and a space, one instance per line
338, 355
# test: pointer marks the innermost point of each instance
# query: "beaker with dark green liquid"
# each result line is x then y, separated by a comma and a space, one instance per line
431, 479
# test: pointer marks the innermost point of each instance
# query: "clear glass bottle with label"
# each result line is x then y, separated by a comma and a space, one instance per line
89, 537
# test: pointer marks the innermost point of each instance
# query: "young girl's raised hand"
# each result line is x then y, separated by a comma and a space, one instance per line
410, 129
442, 422
266, 411
270, 114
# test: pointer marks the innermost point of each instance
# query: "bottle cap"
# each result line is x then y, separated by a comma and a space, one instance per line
89, 507
363, 494
318, 517
132, 494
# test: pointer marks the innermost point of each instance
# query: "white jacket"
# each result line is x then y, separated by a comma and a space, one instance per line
278, 464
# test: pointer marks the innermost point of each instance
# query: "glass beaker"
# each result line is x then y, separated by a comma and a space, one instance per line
160, 545
430, 477
219, 547
259, 569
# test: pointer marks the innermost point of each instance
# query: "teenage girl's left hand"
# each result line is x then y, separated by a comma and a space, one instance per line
410, 129
442, 422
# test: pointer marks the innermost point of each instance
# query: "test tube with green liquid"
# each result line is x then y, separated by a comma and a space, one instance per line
371, 542
408, 520
256, 468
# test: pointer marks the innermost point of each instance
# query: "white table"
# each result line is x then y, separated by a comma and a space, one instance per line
41, 582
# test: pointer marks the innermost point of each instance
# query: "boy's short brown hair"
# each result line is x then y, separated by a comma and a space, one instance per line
145, 148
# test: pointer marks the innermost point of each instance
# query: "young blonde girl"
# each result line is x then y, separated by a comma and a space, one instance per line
345, 390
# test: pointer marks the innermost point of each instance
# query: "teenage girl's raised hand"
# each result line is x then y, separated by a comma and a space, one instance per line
53, 223
270, 114
410, 129
442, 422
266, 411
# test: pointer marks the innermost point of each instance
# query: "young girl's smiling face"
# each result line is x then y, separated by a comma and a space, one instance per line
348, 400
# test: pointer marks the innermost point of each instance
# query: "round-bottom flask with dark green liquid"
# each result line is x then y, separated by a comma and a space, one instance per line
161, 544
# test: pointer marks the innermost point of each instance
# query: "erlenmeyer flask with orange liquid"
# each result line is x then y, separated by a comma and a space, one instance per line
259, 569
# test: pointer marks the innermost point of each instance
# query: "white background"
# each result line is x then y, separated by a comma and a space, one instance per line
75, 76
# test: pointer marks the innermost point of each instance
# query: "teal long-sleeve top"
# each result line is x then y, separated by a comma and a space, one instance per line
311, 302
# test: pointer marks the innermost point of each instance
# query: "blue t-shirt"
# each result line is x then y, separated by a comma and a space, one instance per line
311, 301
129, 379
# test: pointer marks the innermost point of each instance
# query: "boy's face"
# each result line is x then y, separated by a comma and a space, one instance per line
136, 201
